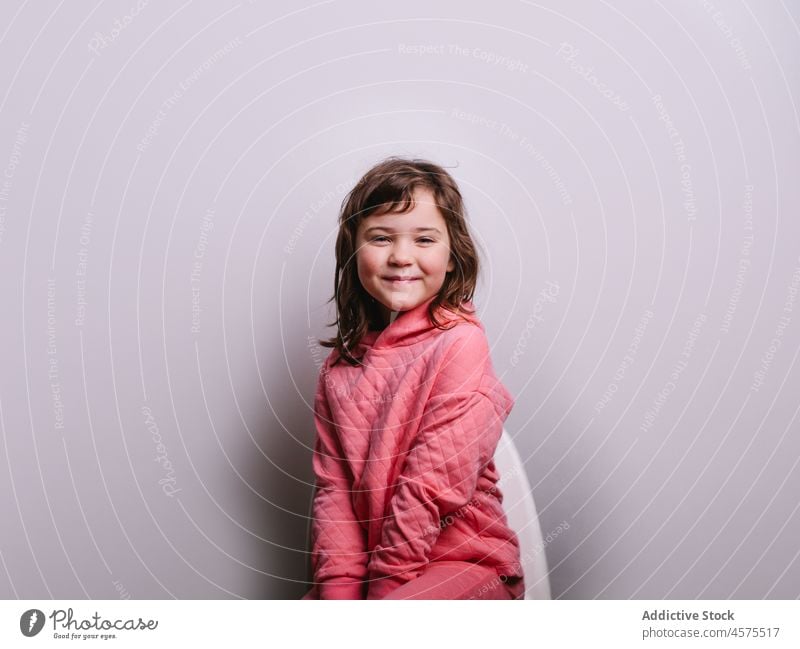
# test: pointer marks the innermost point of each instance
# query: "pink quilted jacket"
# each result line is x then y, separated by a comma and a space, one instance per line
404, 459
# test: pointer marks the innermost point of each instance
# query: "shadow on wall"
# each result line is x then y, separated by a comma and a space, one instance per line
279, 492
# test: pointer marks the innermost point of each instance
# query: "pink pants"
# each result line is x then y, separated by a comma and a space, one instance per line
455, 580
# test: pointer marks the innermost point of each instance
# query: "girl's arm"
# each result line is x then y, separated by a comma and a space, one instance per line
458, 435
338, 542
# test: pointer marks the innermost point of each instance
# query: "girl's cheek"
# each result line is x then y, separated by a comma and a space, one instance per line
364, 259
372, 258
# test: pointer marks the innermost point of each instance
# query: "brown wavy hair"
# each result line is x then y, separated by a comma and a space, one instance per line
389, 188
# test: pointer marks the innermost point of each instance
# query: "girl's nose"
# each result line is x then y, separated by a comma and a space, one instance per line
400, 254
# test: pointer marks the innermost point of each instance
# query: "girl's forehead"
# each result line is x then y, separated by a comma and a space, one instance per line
424, 213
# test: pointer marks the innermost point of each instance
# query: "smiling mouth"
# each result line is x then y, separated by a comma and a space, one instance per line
401, 280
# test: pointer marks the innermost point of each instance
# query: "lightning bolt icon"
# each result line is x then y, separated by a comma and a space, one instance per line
32, 621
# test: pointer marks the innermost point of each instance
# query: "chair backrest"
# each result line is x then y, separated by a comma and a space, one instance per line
522, 517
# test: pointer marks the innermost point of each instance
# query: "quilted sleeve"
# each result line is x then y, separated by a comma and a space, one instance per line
457, 438
338, 541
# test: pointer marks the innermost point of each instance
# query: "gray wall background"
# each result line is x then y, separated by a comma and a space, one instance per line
171, 175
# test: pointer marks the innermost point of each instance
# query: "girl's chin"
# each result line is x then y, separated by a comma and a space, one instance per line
401, 304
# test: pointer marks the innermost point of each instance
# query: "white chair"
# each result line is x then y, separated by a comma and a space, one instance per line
522, 517
520, 510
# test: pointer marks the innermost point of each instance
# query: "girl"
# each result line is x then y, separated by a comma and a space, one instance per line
408, 410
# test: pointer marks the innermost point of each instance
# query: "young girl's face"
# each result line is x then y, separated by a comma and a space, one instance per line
402, 259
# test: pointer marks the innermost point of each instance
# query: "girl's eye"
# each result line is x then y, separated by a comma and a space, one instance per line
381, 238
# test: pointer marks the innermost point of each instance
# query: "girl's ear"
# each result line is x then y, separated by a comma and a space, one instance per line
451, 265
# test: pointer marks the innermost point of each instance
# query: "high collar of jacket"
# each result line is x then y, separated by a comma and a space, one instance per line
414, 325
